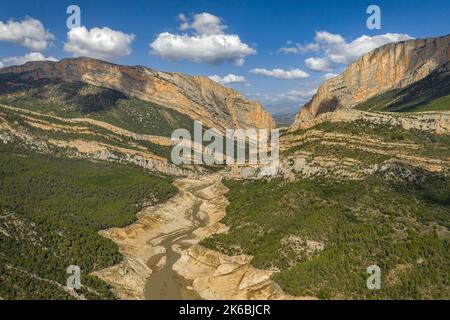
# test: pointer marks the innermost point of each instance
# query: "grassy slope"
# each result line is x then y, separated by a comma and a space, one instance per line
97, 134
51, 210
77, 99
429, 94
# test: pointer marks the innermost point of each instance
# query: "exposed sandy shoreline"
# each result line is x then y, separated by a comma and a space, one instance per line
163, 244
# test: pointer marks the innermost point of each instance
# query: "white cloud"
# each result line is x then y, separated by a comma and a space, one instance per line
19, 60
281, 74
213, 49
229, 79
338, 51
285, 102
291, 96
29, 33
101, 43
203, 24
311, 47
1, 65
329, 75
319, 64
206, 44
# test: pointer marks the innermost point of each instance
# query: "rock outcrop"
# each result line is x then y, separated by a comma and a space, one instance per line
434, 122
216, 276
392, 66
198, 97
170, 232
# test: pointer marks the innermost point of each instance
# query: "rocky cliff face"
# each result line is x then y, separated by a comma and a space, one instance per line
389, 67
198, 97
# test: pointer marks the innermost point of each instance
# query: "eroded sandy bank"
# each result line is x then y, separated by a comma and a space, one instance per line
162, 247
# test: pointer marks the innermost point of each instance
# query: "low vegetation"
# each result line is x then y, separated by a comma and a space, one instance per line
98, 134
76, 99
51, 210
399, 225
429, 144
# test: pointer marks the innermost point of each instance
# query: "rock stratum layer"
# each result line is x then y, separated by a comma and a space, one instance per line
198, 97
194, 214
392, 66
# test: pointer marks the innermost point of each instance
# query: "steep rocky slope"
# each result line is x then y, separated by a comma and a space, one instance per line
393, 66
163, 259
198, 97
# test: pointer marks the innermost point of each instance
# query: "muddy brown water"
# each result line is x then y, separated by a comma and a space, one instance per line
164, 283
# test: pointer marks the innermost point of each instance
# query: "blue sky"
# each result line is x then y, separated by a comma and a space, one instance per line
322, 31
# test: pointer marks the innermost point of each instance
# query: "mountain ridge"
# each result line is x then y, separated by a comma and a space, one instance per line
198, 97
392, 66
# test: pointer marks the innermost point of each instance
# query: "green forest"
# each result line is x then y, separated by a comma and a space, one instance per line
51, 210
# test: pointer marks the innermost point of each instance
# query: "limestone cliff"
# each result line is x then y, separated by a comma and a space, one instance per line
392, 66
198, 97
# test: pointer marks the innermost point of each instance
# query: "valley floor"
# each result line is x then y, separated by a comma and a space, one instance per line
164, 261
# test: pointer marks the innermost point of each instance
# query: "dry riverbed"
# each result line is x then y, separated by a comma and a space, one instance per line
162, 258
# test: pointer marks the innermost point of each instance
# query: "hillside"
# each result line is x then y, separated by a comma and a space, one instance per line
99, 153
42, 232
348, 195
363, 180
319, 235
432, 93
199, 98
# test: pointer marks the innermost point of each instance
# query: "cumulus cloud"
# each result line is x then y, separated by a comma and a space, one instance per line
281, 74
319, 64
337, 51
212, 49
229, 79
19, 60
29, 33
206, 42
101, 43
292, 96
